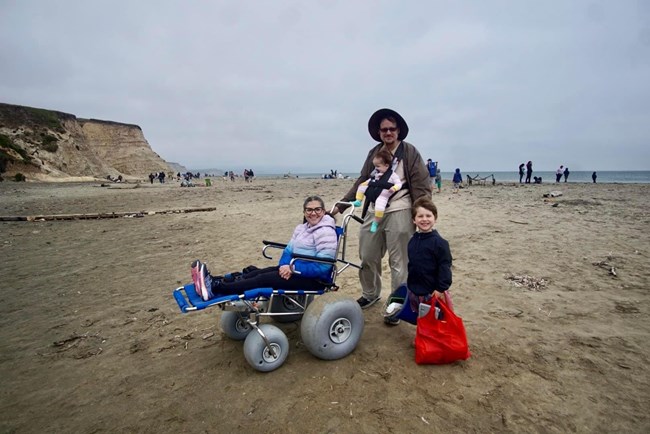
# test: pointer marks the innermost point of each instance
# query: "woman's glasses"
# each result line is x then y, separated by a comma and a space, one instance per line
314, 210
385, 130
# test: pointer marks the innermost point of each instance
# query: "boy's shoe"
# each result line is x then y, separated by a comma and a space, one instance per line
373, 227
391, 321
205, 283
195, 269
365, 303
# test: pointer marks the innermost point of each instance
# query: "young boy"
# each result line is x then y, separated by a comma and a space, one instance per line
429, 267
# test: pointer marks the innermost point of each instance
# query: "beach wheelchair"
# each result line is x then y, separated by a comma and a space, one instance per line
331, 323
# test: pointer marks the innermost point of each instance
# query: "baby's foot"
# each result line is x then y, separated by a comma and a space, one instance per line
356, 203
373, 227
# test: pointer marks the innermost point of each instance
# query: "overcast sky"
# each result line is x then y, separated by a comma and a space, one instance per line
289, 85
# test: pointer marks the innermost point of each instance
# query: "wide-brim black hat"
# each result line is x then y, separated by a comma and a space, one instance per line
381, 114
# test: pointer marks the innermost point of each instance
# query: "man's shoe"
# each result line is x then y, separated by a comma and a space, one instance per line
391, 321
365, 303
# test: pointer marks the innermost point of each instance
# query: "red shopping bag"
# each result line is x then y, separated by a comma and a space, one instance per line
439, 341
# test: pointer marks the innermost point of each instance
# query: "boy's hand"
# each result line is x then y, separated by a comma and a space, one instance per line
439, 295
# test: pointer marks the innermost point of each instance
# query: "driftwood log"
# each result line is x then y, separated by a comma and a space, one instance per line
94, 216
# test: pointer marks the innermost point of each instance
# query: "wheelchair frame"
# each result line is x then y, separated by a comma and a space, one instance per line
267, 348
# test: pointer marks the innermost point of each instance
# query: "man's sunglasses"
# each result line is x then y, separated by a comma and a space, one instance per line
391, 129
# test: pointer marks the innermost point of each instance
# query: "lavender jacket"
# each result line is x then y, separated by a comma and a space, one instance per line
319, 240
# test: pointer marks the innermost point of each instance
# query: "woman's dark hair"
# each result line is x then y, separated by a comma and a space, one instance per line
311, 199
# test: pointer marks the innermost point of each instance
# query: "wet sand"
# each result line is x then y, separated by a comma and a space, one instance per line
92, 340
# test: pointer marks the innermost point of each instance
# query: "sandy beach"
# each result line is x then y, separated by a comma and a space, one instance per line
553, 292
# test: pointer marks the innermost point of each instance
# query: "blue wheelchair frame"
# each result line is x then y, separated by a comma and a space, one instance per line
251, 301
329, 331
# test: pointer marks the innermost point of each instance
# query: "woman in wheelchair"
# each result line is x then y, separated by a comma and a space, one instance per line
316, 236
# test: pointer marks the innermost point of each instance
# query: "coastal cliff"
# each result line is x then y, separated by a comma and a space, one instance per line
48, 145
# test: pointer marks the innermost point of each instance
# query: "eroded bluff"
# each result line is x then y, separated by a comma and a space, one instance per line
49, 145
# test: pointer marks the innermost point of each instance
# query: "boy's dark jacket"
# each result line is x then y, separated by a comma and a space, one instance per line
429, 263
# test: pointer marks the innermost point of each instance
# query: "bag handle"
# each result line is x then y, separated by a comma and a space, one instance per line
445, 310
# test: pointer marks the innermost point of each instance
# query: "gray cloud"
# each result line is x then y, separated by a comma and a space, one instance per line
289, 85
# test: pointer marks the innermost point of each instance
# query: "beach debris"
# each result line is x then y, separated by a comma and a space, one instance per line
526, 281
82, 350
608, 265
626, 307
519, 223
95, 216
553, 194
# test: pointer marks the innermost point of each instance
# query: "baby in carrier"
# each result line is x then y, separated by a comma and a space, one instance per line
381, 185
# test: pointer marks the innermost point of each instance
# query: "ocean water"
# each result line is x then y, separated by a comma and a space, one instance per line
624, 176
611, 176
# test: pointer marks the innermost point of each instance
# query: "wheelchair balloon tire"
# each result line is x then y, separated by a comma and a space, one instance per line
257, 354
332, 326
234, 325
280, 304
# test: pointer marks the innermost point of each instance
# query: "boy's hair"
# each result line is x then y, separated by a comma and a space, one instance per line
384, 156
426, 203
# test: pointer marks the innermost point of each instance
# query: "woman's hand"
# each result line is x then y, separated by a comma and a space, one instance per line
439, 295
285, 272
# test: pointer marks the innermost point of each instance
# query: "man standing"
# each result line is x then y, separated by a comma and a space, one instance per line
529, 171
432, 167
396, 227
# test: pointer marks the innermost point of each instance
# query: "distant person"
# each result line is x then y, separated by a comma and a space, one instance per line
521, 172
529, 171
381, 185
438, 179
558, 173
537, 179
152, 177
251, 175
431, 167
457, 180
566, 173
161, 177
593, 177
